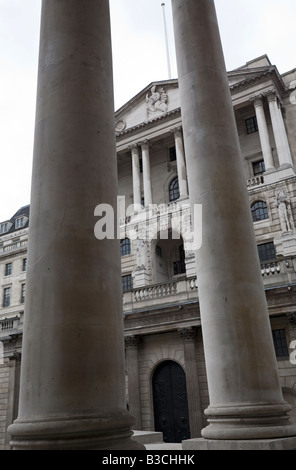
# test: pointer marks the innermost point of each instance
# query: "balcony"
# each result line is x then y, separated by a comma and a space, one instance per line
279, 273
161, 294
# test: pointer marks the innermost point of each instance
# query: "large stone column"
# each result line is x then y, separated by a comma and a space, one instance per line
72, 379
136, 174
181, 167
146, 173
279, 130
263, 133
245, 396
134, 395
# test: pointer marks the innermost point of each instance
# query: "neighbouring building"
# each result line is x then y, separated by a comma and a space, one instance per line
166, 379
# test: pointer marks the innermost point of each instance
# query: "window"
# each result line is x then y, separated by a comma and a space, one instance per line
158, 251
251, 125
179, 266
266, 252
174, 192
173, 156
127, 282
280, 343
259, 211
125, 247
258, 168
20, 222
6, 297
8, 269
23, 293
25, 264
4, 228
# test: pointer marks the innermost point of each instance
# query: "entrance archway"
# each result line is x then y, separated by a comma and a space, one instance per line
170, 402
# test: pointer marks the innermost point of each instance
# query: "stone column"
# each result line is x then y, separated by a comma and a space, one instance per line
136, 174
134, 395
280, 134
246, 401
181, 166
192, 381
263, 133
72, 393
146, 173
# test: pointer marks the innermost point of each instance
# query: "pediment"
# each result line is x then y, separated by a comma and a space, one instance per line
153, 102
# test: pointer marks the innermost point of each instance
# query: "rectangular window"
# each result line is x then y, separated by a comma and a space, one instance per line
4, 228
127, 282
23, 293
8, 269
266, 252
6, 297
173, 156
258, 168
280, 343
19, 223
251, 125
25, 264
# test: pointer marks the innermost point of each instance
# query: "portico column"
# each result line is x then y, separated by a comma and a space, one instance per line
192, 381
181, 167
280, 134
136, 174
246, 401
72, 393
146, 173
134, 401
263, 133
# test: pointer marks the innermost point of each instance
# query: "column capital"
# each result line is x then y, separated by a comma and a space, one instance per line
257, 100
132, 342
144, 144
188, 334
177, 131
134, 148
272, 96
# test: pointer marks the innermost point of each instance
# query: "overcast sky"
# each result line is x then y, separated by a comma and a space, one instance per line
248, 30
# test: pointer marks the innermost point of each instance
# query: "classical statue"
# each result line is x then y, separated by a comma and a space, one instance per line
156, 102
285, 213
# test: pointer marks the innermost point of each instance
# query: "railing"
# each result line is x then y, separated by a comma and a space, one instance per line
8, 324
156, 291
270, 269
14, 246
255, 181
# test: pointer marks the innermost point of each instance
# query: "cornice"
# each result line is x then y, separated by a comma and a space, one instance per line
149, 124
269, 73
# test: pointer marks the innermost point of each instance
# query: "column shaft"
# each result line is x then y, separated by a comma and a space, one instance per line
263, 133
181, 166
136, 175
146, 173
192, 382
134, 395
72, 392
280, 134
245, 396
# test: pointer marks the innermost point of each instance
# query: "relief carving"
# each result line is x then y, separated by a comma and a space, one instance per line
156, 102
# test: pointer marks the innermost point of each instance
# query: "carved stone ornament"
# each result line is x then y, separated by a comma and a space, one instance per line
156, 102
285, 213
120, 126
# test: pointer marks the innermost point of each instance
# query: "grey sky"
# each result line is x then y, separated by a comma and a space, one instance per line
248, 30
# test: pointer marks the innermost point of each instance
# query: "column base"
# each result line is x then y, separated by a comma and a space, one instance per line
90, 433
287, 443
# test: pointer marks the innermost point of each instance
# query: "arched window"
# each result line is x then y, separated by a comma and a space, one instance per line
174, 192
125, 247
259, 211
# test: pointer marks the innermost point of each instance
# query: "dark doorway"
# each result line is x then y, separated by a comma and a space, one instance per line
170, 402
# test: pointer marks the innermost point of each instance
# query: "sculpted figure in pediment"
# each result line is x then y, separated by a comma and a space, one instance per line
156, 102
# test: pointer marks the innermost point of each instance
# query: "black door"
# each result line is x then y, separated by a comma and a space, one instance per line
170, 402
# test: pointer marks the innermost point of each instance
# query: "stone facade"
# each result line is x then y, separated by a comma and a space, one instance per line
160, 281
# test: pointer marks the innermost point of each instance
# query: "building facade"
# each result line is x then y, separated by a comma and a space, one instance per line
166, 380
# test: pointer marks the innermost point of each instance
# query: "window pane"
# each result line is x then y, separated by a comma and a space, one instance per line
251, 125
258, 168
266, 252
127, 282
125, 247
6, 297
280, 343
174, 192
8, 269
259, 211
